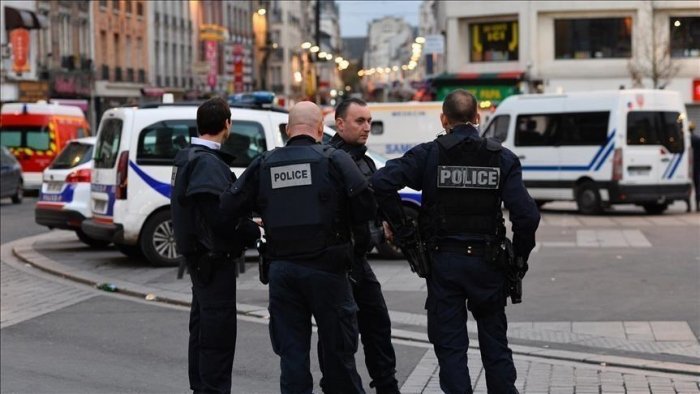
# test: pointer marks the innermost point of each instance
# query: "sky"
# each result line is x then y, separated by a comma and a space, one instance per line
355, 15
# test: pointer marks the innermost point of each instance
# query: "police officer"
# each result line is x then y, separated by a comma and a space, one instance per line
464, 179
352, 120
210, 246
308, 195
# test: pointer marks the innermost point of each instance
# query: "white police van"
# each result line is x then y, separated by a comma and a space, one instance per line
599, 148
130, 196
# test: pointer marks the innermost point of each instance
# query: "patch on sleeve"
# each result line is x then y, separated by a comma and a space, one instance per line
457, 177
291, 175
172, 178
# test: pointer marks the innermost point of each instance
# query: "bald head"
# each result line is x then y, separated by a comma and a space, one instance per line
459, 107
305, 118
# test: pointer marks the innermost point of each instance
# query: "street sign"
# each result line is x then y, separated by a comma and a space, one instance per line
434, 44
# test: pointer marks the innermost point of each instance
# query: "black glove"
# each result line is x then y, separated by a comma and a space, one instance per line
247, 231
404, 235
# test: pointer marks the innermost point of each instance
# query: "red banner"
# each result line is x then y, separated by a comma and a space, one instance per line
696, 89
19, 38
238, 67
211, 59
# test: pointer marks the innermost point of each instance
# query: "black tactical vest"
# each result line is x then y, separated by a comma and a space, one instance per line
302, 212
468, 181
182, 208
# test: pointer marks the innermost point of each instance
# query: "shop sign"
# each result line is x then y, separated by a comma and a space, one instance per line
482, 93
494, 41
71, 84
434, 44
32, 91
210, 51
238, 67
19, 38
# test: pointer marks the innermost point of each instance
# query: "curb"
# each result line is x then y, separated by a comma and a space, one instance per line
24, 251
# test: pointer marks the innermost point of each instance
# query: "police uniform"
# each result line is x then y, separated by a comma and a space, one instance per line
200, 174
464, 179
308, 196
373, 316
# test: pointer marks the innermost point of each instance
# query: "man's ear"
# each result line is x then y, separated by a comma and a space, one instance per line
478, 118
444, 122
339, 124
319, 136
286, 131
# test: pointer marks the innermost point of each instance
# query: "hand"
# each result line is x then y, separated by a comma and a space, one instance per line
388, 234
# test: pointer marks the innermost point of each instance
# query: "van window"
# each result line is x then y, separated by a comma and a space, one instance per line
536, 130
81, 132
377, 127
584, 128
655, 128
107, 146
73, 155
498, 129
36, 138
159, 143
246, 142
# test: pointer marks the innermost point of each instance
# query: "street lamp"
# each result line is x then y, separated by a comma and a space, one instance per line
314, 49
306, 45
262, 11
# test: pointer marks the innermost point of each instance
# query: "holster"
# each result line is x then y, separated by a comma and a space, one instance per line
263, 261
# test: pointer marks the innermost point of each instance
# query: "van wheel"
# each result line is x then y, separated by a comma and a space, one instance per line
92, 242
655, 208
588, 199
133, 251
158, 241
19, 194
389, 250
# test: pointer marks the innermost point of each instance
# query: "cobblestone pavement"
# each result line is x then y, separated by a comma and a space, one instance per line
26, 296
538, 376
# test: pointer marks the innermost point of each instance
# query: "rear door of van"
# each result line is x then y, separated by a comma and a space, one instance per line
107, 154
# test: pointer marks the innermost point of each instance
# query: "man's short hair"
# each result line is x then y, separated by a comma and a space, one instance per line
212, 116
459, 106
342, 109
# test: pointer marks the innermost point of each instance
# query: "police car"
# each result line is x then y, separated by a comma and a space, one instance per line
64, 197
599, 148
130, 190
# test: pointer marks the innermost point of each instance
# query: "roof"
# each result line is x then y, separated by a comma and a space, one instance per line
41, 109
354, 47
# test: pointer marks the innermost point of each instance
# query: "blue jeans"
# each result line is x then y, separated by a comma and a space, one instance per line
297, 293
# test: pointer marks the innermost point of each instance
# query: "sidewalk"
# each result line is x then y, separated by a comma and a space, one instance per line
615, 356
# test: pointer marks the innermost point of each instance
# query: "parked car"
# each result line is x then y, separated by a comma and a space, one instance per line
36, 132
11, 181
130, 196
64, 199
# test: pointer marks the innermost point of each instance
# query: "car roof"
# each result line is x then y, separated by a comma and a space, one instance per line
41, 109
85, 140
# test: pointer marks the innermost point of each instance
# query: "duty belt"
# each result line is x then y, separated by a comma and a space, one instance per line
466, 248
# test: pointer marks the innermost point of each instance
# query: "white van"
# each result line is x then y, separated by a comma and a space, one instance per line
130, 195
599, 148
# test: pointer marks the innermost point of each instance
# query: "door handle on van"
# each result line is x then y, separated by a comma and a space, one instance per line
522, 157
665, 159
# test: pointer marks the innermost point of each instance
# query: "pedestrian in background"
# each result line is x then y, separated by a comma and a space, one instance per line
353, 119
464, 179
309, 195
210, 245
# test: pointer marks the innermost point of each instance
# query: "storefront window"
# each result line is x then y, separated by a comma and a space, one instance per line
593, 38
685, 37
494, 41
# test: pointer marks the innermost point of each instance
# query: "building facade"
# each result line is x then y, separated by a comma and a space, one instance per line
239, 62
498, 49
121, 52
389, 47
288, 30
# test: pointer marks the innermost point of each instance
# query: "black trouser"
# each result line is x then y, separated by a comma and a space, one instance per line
458, 282
297, 293
375, 331
212, 328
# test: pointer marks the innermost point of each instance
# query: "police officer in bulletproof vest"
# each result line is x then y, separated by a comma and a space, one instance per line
353, 119
210, 245
464, 179
308, 195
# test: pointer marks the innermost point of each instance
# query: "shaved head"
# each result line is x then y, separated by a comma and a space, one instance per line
305, 118
460, 107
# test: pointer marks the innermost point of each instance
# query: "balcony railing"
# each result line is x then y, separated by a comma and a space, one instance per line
68, 62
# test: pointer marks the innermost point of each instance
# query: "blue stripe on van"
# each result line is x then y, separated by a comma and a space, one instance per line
669, 166
415, 198
607, 148
675, 166
162, 188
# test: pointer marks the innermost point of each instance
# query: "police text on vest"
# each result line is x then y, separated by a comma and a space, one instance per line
469, 177
291, 175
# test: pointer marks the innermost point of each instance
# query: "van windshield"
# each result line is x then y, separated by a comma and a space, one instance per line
656, 128
35, 138
73, 155
107, 146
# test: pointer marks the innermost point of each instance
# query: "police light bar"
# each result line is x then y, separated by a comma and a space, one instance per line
256, 98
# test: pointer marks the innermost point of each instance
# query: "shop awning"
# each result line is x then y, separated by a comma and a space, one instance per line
507, 76
152, 92
19, 18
